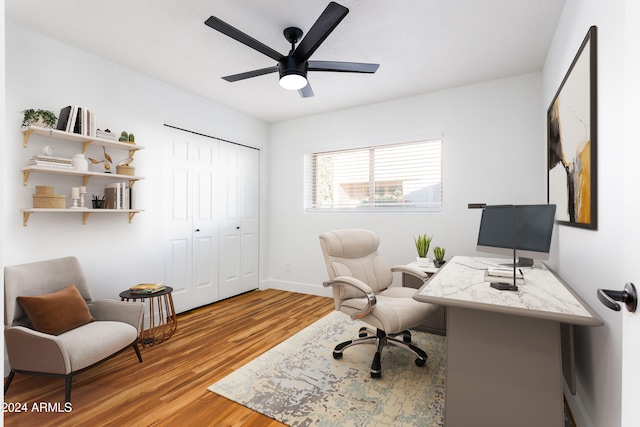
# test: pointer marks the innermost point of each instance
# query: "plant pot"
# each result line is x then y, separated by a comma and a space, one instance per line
438, 264
422, 262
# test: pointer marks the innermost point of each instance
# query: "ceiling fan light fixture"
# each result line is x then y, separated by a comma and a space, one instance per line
293, 81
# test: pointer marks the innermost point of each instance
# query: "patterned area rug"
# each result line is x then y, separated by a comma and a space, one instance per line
300, 384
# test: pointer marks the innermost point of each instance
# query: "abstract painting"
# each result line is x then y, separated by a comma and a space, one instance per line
571, 141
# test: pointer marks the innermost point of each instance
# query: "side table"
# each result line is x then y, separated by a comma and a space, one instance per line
162, 315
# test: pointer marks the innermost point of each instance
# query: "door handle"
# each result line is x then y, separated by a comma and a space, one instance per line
196, 230
628, 296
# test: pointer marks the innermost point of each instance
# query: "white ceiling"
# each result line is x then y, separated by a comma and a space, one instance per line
421, 45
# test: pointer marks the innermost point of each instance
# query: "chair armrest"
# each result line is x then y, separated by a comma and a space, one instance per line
30, 350
416, 272
360, 286
120, 311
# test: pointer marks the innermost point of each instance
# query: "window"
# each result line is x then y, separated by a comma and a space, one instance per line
386, 177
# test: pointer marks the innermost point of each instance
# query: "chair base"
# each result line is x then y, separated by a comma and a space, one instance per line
381, 339
67, 377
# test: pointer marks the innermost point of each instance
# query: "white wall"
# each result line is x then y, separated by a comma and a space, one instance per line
43, 73
589, 260
494, 152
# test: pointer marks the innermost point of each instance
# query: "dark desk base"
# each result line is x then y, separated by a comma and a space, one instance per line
437, 324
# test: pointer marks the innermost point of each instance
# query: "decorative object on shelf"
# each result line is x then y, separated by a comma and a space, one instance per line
79, 162
34, 117
123, 167
47, 151
107, 161
572, 121
422, 246
438, 253
124, 136
75, 197
83, 191
132, 139
44, 198
97, 202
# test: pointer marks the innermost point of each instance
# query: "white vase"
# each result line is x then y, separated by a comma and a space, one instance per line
422, 262
79, 162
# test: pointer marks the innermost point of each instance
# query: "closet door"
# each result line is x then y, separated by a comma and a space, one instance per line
191, 255
239, 244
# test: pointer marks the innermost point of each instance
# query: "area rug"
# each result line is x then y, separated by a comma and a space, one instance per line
300, 384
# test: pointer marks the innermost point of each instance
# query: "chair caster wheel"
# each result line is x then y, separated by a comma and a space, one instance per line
337, 355
421, 362
376, 374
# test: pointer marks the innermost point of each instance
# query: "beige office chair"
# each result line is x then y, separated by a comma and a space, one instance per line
360, 280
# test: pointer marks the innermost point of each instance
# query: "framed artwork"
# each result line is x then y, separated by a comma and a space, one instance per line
571, 141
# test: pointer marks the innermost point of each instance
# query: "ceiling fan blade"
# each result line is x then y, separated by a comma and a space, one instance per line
243, 38
344, 67
249, 74
306, 92
326, 23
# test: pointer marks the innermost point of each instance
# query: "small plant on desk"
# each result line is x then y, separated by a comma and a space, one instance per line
438, 253
422, 246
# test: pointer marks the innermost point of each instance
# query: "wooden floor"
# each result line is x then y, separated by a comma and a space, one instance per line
169, 388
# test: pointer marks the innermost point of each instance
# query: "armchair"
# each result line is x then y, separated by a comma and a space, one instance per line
360, 279
55, 329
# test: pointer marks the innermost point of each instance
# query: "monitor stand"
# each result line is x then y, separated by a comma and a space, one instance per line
501, 286
522, 262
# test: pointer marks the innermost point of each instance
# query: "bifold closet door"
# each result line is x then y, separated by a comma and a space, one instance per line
239, 244
191, 221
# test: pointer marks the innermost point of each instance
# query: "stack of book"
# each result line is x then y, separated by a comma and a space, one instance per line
503, 275
105, 135
50, 161
147, 288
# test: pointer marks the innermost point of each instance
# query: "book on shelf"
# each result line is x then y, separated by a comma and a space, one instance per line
50, 161
106, 135
147, 288
75, 119
118, 196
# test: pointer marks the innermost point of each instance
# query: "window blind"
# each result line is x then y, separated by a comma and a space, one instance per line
385, 177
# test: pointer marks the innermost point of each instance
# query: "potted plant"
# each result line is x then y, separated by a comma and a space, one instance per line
438, 252
422, 246
44, 118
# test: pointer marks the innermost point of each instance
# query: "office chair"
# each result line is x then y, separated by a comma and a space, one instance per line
360, 279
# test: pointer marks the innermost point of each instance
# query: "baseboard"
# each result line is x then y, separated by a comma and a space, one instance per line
303, 288
577, 409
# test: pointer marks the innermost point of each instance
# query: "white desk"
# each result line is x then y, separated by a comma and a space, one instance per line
504, 363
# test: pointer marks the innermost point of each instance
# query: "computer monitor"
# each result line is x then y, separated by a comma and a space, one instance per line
534, 228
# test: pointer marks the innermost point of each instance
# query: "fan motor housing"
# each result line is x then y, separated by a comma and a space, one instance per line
292, 65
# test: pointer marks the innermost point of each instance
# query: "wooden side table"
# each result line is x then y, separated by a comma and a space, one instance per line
162, 315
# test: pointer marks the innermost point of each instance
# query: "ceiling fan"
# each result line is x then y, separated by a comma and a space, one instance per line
293, 67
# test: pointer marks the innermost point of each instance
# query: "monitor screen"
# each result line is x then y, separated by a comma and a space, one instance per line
534, 228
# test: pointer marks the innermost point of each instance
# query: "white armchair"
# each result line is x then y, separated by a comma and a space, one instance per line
55, 329
360, 279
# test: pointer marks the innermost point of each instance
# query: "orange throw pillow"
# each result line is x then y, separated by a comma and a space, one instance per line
57, 312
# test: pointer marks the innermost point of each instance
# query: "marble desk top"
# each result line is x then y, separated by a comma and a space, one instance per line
460, 283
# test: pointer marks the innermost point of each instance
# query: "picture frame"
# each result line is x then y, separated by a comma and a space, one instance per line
572, 141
